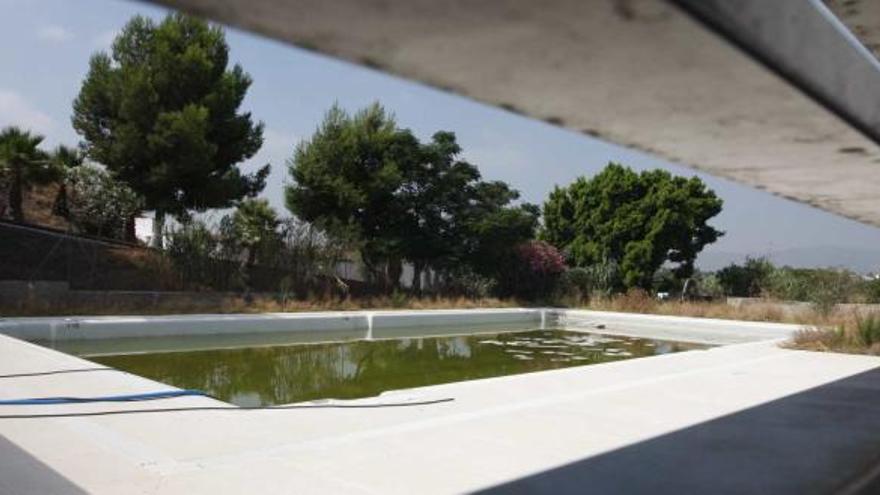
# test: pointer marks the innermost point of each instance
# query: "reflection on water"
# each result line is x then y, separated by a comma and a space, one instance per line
293, 373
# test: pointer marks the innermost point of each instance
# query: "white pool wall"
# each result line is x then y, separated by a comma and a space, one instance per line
356, 322
678, 328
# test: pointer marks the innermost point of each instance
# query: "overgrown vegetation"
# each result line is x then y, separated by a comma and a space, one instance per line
859, 334
822, 287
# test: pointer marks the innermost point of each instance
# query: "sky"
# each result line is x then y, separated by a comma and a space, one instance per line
46, 45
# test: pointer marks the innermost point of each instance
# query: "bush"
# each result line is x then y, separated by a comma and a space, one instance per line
868, 330
708, 285
97, 204
582, 283
872, 291
537, 267
575, 284
666, 280
465, 282
605, 278
308, 255
746, 280
824, 288
193, 250
251, 232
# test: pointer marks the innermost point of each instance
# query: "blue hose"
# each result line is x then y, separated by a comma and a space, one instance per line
42, 401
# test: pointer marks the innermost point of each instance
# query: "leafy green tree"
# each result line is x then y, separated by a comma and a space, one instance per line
365, 178
22, 165
637, 220
750, 279
348, 180
436, 192
97, 203
452, 218
161, 112
492, 228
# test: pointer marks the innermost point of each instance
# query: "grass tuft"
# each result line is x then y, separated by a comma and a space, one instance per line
855, 334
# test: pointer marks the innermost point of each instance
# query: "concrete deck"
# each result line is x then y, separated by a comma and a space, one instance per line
743, 418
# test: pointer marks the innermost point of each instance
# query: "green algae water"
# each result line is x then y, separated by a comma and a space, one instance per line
282, 374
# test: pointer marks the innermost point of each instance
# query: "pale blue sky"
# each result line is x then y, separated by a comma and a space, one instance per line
46, 45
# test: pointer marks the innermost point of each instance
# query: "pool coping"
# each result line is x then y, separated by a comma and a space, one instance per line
362, 323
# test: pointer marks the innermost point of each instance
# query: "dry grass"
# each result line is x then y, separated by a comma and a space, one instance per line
38, 206
855, 334
641, 302
240, 304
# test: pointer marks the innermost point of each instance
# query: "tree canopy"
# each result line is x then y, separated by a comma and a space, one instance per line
401, 199
161, 113
637, 220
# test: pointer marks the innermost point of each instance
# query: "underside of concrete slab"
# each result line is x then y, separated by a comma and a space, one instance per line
641, 73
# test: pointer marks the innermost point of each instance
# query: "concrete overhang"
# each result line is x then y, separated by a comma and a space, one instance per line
786, 100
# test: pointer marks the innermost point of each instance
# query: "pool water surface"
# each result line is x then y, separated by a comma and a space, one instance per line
282, 374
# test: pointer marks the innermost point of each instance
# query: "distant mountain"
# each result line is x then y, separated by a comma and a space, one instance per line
856, 259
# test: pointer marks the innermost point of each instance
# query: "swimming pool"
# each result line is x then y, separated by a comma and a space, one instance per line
269, 373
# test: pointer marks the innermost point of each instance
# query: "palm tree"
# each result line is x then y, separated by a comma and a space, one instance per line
64, 159
22, 164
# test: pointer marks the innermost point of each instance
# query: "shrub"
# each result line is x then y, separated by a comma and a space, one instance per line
872, 291
308, 255
537, 267
465, 282
855, 334
822, 287
253, 227
868, 330
666, 280
709, 285
398, 299
818, 339
97, 204
746, 280
600, 280
575, 284
193, 250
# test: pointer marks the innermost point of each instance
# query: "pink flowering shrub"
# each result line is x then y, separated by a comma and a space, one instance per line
537, 267
540, 258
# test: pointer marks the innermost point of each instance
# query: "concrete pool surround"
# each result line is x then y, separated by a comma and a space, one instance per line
746, 403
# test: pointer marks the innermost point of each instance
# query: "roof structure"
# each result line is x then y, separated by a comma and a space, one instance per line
787, 100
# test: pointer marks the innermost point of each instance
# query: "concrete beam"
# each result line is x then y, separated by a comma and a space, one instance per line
807, 44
